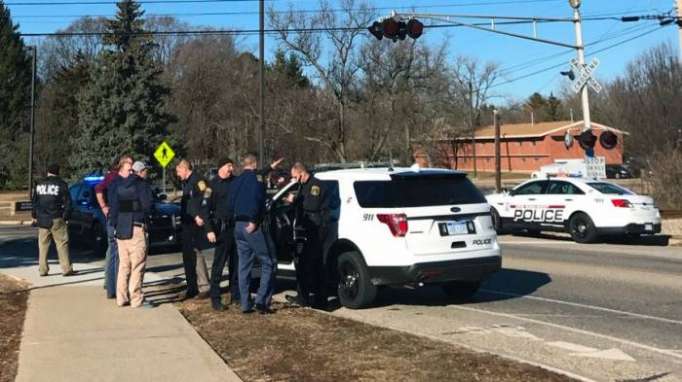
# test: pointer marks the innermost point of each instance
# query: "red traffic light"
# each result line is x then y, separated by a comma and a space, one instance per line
587, 140
608, 140
415, 28
391, 28
377, 30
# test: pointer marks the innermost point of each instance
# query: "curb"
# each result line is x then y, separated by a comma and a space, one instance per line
15, 222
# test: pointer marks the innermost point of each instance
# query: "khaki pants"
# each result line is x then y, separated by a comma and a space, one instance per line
132, 257
202, 273
60, 234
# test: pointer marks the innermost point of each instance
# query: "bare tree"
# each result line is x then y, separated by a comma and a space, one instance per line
335, 67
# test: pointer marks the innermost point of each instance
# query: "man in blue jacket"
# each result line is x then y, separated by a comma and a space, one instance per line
248, 198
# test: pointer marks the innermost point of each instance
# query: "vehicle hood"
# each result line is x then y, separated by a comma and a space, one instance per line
164, 208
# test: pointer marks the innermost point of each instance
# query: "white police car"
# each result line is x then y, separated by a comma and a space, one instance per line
587, 209
399, 227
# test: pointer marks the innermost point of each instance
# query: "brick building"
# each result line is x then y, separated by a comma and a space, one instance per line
525, 147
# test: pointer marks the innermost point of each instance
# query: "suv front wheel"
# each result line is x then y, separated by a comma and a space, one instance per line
355, 288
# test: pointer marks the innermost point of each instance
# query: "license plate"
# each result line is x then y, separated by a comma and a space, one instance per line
648, 227
454, 228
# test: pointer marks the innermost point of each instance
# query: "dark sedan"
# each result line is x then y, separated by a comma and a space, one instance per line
87, 224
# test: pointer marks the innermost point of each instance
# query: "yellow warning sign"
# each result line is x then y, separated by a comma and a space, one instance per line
164, 154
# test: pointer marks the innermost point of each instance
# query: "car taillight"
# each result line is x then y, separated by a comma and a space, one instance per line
397, 223
621, 203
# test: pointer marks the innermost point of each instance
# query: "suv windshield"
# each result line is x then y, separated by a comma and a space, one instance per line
417, 191
609, 189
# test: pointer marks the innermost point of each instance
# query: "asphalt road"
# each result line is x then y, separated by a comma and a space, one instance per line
607, 312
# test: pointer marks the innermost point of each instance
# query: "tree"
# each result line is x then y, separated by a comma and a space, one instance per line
15, 75
123, 111
553, 108
290, 68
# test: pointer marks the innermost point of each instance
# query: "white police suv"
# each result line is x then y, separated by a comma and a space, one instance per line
399, 227
587, 209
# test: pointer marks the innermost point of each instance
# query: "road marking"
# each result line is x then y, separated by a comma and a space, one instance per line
585, 306
534, 242
609, 354
575, 348
574, 330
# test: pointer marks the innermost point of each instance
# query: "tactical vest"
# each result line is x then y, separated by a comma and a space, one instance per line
129, 203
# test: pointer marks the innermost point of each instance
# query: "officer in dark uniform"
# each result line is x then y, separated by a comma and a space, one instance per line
313, 214
197, 230
51, 210
223, 214
130, 199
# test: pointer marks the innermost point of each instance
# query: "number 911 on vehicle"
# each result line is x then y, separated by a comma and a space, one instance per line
586, 209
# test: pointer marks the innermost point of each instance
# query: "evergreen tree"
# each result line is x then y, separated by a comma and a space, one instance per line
123, 111
291, 68
553, 108
15, 96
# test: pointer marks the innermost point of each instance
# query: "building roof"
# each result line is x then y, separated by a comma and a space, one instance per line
536, 130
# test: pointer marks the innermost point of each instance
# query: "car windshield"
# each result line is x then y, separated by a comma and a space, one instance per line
418, 191
609, 189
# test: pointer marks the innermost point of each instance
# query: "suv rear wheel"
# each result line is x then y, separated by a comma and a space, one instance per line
354, 288
461, 290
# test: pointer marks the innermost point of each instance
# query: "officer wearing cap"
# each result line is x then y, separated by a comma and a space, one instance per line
130, 200
313, 213
51, 210
197, 231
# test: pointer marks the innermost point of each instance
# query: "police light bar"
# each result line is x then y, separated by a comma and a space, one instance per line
93, 179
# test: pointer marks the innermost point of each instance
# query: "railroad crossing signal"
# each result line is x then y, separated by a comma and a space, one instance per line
583, 75
164, 154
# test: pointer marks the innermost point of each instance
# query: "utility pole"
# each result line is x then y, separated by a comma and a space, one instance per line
261, 79
473, 128
498, 161
580, 47
679, 28
34, 50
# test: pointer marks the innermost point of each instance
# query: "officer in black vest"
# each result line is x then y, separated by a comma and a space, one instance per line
197, 231
130, 199
313, 213
51, 210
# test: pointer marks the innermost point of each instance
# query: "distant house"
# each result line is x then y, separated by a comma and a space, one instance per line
524, 147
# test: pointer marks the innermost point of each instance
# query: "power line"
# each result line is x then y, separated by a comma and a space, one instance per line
96, 2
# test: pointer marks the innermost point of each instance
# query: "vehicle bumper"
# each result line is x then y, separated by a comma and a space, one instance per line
630, 229
473, 269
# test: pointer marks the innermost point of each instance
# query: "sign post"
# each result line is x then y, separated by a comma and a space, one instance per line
164, 154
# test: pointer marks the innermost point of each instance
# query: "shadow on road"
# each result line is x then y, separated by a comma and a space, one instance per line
514, 283
649, 240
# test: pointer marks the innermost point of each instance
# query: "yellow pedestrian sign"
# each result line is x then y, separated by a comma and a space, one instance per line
164, 154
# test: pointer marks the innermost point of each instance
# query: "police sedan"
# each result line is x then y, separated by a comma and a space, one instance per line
586, 209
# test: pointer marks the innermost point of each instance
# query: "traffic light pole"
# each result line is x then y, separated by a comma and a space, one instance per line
261, 79
679, 29
580, 47
498, 159
34, 49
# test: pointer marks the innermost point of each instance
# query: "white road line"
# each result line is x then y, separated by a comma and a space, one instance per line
585, 306
504, 242
574, 330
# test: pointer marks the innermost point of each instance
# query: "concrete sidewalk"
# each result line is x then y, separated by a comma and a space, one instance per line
72, 333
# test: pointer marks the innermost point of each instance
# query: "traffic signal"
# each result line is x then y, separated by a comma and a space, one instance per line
377, 30
396, 29
587, 140
608, 140
415, 28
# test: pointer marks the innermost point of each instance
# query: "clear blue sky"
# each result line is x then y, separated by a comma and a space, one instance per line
514, 55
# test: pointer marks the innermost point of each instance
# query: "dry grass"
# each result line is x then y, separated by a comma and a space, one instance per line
13, 297
304, 345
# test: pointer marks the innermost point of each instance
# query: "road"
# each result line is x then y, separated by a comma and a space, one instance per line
606, 312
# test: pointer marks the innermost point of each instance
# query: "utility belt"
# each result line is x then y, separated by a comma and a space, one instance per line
141, 225
127, 206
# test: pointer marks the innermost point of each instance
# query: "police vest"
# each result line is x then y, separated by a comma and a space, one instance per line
129, 204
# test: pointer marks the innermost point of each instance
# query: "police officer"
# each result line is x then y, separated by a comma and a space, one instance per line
197, 230
223, 213
247, 195
130, 201
313, 213
51, 210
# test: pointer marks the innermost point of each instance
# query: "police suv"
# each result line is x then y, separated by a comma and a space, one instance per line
398, 227
587, 209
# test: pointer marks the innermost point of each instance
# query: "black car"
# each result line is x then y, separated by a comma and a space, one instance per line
88, 227
618, 172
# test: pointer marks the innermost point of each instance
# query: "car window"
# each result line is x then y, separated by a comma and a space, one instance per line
532, 188
563, 188
609, 189
417, 191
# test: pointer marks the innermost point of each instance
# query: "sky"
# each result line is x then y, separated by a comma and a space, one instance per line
527, 66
